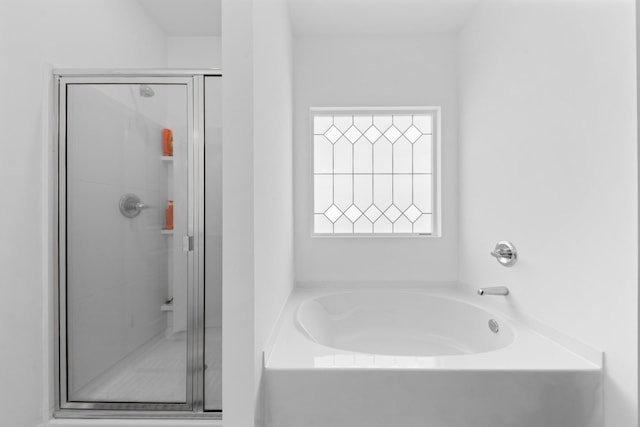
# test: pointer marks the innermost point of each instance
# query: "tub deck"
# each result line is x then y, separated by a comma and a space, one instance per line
532, 382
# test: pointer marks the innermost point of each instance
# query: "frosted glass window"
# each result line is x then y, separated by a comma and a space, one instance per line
373, 171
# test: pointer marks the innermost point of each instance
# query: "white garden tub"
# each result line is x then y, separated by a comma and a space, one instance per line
415, 357
401, 324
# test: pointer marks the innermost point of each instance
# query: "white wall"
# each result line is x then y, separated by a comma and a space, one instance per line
258, 261
375, 72
194, 52
238, 296
272, 165
548, 160
65, 33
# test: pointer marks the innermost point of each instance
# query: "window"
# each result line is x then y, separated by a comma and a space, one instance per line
374, 171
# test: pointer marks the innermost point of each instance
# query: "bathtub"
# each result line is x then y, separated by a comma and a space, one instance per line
401, 324
417, 357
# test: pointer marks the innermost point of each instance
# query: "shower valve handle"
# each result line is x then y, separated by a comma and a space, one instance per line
501, 253
505, 253
131, 205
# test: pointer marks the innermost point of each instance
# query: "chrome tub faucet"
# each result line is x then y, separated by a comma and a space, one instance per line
496, 290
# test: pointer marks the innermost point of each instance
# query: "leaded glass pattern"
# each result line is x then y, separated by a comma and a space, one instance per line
373, 173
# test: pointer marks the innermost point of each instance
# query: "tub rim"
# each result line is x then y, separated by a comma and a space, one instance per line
288, 349
299, 325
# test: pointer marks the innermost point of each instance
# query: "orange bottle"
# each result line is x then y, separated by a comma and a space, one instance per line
169, 215
167, 142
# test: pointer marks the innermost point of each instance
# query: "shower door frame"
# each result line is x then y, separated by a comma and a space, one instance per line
194, 402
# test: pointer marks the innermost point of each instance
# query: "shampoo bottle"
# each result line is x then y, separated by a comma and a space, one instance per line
169, 215
167, 142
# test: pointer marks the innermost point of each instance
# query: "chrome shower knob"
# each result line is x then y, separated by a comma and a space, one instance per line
131, 205
506, 253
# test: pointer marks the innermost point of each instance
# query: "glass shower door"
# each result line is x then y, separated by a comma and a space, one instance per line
126, 279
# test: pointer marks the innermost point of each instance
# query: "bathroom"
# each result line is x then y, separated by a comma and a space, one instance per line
538, 107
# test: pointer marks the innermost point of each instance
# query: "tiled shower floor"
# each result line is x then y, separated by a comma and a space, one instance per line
156, 372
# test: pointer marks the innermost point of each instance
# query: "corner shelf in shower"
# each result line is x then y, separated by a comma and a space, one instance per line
166, 158
166, 307
165, 231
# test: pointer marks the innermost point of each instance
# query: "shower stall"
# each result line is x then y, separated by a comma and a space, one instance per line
139, 243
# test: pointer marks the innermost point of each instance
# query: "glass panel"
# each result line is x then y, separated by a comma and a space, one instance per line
322, 155
213, 245
353, 134
126, 273
343, 191
382, 225
333, 134
323, 193
424, 224
343, 156
422, 155
392, 134
412, 213
382, 123
373, 213
412, 134
402, 122
402, 191
382, 185
321, 124
333, 213
363, 123
362, 191
372, 134
322, 224
402, 225
342, 122
343, 225
422, 192
382, 156
363, 225
402, 152
424, 123
392, 213
362, 156
353, 213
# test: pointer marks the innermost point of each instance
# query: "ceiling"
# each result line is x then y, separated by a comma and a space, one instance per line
378, 17
323, 17
182, 18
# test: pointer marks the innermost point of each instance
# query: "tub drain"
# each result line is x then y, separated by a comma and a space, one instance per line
493, 325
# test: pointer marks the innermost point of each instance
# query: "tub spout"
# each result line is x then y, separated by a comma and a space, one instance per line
496, 290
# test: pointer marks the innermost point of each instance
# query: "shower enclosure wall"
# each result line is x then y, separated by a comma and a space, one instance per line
139, 244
